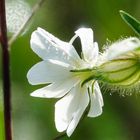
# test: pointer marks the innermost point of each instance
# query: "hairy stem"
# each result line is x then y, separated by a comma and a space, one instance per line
6, 71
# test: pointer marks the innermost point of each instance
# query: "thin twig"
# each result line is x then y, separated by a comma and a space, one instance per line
60, 136
6, 72
35, 8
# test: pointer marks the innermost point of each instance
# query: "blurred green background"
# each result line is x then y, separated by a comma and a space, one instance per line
33, 118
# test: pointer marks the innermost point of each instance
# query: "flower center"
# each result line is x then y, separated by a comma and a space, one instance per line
85, 75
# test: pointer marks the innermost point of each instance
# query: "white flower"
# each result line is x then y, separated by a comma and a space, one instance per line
63, 69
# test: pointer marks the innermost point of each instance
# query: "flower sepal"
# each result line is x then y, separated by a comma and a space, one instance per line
123, 72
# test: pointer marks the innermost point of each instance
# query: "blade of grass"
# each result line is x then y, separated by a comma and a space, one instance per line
131, 21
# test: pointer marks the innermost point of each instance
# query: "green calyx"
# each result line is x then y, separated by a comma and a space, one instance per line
86, 75
124, 72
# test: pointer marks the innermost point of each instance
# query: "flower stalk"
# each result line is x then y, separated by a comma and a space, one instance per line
6, 72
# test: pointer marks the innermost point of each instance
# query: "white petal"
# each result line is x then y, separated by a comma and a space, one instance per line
46, 46
83, 103
94, 54
122, 47
95, 51
56, 90
96, 102
89, 49
48, 72
70, 108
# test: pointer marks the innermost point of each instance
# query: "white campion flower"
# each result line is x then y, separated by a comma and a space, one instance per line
62, 67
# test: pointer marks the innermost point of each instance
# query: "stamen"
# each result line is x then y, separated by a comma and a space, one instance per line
73, 38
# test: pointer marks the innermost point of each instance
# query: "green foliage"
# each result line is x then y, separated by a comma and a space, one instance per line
131, 21
1, 126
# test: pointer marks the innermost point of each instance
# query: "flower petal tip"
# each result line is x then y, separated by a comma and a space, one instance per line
33, 94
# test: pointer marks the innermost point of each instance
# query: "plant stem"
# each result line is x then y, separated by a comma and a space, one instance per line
6, 71
61, 135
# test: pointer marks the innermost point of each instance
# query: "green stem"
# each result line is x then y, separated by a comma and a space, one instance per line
60, 136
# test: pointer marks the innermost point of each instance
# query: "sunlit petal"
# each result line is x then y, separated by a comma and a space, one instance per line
56, 90
96, 102
70, 108
89, 49
48, 72
46, 46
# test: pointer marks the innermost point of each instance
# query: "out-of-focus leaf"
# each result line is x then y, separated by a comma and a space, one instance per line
131, 21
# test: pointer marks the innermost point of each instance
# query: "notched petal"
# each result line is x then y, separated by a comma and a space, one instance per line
96, 101
70, 108
47, 46
89, 48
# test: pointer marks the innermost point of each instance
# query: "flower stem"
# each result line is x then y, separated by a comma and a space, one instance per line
61, 135
6, 71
